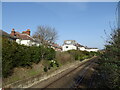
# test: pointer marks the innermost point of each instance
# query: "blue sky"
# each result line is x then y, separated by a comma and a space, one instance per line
81, 21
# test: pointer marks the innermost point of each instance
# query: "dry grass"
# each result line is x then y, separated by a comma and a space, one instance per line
64, 57
21, 73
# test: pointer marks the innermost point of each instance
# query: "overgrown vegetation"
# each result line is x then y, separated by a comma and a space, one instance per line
109, 63
81, 55
14, 55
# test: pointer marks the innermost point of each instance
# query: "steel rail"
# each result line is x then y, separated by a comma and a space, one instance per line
89, 62
83, 75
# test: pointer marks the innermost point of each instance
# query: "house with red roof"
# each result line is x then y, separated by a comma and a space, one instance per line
56, 47
24, 38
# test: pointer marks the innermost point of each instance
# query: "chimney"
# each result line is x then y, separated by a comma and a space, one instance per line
28, 31
13, 32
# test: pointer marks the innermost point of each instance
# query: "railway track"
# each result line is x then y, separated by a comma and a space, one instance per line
87, 64
81, 79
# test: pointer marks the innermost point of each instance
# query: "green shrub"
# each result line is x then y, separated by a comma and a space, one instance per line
51, 64
45, 69
50, 54
15, 55
57, 64
80, 55
109, 63
36, 54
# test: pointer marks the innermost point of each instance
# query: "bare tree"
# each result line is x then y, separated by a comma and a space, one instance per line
46, 34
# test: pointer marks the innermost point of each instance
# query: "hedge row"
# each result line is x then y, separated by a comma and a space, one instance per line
15, 55
81, 55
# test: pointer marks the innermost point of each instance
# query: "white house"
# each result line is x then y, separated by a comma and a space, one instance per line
91, 49
24, 38
27, 42
72, 45
82, 48
69, 45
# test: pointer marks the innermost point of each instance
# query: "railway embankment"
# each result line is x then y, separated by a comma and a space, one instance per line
29, 82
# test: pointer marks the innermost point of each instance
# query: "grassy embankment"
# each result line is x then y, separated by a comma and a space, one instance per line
20, 62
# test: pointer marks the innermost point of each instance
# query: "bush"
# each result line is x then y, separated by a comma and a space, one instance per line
15, 55
57, 64
80, 55
50, 54
109, 63
51, 64
36, 54
45, 69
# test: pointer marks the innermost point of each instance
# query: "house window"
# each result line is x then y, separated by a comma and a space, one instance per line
66, 46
